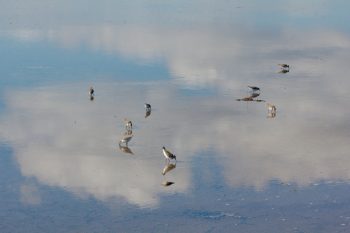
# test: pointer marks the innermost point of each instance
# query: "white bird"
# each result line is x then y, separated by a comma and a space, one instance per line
284, 66
271, 108
168, 155
128, 124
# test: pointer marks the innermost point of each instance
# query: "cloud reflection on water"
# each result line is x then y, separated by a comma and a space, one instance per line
307, 142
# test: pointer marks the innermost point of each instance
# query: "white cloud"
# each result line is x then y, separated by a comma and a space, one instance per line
305, 143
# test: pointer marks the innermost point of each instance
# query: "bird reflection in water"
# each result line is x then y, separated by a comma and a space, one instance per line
283, 71
125, 139
167, 183
271, 110
125, 149
252, 97
128, 132
168, 168
148, 113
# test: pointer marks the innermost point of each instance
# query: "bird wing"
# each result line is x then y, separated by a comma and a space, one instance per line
169, 153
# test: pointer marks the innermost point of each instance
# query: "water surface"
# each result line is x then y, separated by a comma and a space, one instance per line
239, 167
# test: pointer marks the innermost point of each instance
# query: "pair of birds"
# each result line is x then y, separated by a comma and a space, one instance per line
271, 108
170, 166
128, 126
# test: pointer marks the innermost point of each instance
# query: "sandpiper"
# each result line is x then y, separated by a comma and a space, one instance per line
126, 139
284, 66
254, 88
168, 155
128, 124
91, 92
148, 110
147, 107
271, 108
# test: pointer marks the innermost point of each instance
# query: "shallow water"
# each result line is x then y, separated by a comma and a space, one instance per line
239, 168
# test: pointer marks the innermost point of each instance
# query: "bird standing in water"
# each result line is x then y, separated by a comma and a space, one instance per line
254, 88
168, 155
147, 107
148, 110
271, 108
91, 91
168, 168
167, 183
128, 124
284, 66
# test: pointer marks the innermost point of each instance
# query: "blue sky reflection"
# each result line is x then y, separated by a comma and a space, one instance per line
191, 61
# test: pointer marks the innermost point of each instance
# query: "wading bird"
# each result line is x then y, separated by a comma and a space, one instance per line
284, 66
271, 110
254, 88
168, 155
147, 107
128, 124
148, 110
91, 91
